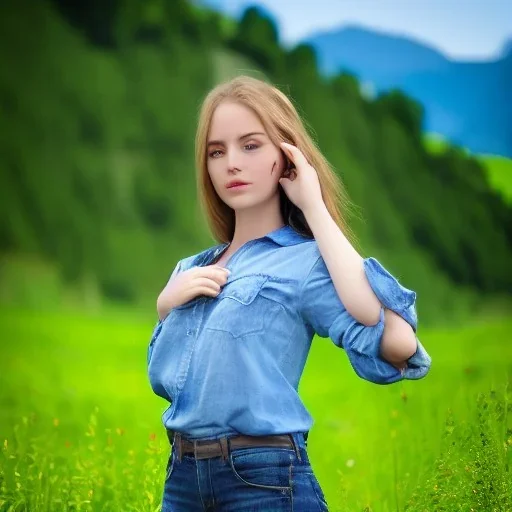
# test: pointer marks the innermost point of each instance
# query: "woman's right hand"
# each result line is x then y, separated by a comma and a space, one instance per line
187, 285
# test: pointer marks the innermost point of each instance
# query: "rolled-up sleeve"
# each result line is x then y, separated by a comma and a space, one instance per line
321, 307
158, 326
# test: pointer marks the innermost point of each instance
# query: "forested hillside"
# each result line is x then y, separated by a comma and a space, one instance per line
97, 179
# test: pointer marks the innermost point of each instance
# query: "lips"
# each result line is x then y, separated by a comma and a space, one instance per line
232, 184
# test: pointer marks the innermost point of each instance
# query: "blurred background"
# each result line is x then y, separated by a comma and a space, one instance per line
411, 103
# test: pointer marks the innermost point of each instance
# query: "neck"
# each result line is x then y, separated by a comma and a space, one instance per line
252, 223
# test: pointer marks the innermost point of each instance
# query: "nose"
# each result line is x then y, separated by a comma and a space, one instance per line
233, 161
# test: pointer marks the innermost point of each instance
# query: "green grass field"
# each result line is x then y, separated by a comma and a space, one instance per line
80, 427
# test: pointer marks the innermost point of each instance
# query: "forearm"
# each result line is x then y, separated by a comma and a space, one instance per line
345, 266
164, 304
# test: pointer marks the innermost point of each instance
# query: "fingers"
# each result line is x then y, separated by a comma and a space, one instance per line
206, 286
216, 271
211, 279
294, 153
213, 272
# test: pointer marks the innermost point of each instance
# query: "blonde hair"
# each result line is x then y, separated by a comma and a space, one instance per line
283, 124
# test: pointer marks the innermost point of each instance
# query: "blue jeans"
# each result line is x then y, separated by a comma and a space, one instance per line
270, 479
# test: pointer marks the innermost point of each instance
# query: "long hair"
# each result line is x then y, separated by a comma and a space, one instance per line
283, 124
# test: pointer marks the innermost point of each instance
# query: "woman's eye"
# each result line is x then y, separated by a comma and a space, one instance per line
217, 152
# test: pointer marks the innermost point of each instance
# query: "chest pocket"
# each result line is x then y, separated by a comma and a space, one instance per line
239, 309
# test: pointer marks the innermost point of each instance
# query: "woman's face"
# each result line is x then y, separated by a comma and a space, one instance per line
238, 148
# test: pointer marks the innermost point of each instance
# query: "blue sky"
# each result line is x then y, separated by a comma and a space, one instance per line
461, 29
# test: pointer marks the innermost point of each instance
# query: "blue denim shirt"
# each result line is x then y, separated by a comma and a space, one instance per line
231, 364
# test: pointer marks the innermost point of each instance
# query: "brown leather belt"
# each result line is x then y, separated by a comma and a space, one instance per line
205, 449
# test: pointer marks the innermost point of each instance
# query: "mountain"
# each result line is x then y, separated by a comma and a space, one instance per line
507, 49
467, 102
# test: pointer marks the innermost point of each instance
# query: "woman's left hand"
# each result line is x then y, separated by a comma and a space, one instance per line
301, 183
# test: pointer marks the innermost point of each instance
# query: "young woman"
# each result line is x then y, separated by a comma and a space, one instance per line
236, 321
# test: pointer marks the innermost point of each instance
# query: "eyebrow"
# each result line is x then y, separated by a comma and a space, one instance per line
212, 142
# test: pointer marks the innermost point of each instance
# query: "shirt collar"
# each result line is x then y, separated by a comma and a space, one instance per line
286, 236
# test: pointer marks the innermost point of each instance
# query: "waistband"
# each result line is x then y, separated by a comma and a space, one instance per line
208, 448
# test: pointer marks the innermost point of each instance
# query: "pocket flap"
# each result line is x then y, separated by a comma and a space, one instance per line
243, 289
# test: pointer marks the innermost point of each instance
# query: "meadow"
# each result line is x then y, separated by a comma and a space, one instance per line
80, 427
97, 185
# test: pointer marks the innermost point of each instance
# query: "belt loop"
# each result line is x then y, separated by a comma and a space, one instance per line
177, 440
228, 442
224, 448
195, 448
295, 447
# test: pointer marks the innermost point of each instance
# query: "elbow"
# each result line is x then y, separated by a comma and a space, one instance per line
398, 351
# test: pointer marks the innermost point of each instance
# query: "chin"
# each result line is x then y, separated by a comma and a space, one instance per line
242, 203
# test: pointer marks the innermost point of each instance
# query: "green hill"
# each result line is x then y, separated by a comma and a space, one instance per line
97, 190
499, 171
498, 168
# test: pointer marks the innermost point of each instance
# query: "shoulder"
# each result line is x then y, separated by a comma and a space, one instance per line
311, 258
292, 262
